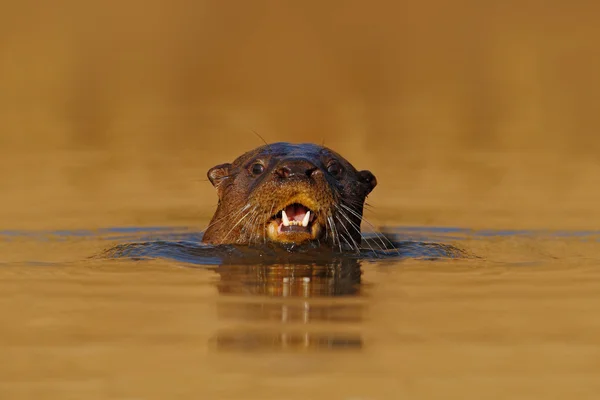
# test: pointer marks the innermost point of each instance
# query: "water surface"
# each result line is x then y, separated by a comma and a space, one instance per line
512, 314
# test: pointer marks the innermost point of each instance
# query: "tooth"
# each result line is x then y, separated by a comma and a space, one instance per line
284, 217
306, 218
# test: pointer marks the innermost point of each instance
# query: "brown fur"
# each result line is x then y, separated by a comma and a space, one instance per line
248, 201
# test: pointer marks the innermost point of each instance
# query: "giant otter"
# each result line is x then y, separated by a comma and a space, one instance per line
289, 193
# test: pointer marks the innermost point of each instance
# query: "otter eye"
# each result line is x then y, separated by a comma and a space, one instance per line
334, 169
257, 168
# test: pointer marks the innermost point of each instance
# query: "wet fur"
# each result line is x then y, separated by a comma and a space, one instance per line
247, 202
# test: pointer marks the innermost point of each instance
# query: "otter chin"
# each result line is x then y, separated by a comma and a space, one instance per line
289, 193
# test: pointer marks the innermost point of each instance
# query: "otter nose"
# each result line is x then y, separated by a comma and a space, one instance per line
295, 168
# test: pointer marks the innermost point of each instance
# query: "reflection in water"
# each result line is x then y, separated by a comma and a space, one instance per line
345, 326
287, 303
271, 297
287, 290
292, 290
340, 277
255, 341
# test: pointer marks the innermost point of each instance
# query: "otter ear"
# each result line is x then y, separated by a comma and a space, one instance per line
218, 174
368, 179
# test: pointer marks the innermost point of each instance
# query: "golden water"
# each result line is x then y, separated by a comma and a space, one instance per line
526, 328
475, 116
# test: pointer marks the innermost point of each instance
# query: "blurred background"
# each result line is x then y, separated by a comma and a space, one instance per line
470, 113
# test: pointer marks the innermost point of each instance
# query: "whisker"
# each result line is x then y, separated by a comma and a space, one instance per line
327, 229
236, 224
255, 233
347, 242
378, 235
248, 225
256, 227
265, 228
228, 216
355, 226
334, 232
261, 138
358, 203
357, 229
356, 247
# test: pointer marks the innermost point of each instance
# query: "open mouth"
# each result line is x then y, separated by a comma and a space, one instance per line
294, 223
295, 218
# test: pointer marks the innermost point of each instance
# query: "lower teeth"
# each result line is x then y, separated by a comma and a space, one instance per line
286, 221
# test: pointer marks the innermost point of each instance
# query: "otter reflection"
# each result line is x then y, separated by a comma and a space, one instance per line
290, 290
291, 280
292, 301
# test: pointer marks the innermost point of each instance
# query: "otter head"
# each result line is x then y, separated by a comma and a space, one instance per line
289, 193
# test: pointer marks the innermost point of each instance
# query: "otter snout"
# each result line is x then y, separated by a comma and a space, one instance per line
295, 167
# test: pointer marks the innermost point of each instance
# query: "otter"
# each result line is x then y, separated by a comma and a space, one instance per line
290, 194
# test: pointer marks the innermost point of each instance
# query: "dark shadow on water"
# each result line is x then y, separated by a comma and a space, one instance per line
374, 248
279, 305
199, 254
276, 292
